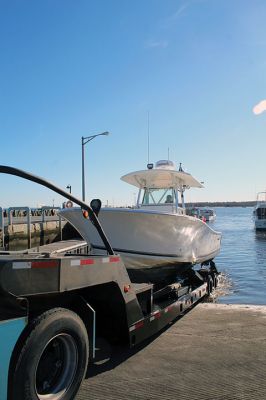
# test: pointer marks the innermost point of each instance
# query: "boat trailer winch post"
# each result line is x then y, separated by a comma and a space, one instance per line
33, 178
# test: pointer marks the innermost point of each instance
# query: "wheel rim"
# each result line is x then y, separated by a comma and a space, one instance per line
56, 368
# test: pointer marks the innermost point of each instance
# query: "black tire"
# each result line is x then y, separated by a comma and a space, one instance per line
52, 360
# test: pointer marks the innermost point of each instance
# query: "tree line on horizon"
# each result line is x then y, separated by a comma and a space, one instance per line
222, 204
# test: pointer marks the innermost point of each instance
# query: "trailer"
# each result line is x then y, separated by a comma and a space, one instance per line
54, 302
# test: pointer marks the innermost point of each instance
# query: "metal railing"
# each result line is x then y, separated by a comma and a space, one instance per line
45, 210
28, 216
26, 213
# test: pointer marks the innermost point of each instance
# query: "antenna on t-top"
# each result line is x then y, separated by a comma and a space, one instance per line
148, 137
149, 165
168, 153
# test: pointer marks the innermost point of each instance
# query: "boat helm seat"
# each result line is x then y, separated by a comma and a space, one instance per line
169, 199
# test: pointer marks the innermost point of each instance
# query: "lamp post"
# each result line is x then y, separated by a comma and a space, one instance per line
69, 187
84, 141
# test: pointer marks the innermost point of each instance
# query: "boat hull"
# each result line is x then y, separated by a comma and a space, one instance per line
150, 242
260, 224
259, 215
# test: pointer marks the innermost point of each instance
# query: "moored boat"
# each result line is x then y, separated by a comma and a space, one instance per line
259, 212
207, 214
203, 213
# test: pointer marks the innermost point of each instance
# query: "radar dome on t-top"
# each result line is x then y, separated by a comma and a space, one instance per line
165, 164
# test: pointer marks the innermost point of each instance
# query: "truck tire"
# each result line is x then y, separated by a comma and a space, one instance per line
52, 359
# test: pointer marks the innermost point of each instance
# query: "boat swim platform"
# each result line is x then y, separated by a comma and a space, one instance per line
213, 352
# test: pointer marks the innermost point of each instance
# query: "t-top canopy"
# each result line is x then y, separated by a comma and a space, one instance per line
161, 178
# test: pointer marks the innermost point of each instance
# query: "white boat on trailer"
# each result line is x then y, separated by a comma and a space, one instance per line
156, 239
260, 212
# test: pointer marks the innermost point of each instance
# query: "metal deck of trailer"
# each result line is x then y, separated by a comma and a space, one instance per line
63, 246
214, 352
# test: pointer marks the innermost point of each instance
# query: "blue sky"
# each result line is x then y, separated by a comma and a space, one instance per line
77, 68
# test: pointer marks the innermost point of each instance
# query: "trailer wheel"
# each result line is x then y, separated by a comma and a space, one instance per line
52, 360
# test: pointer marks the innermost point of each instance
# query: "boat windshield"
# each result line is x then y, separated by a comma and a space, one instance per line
158, 196
261, 213
261, 197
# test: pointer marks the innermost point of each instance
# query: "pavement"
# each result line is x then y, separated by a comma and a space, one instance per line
213, 352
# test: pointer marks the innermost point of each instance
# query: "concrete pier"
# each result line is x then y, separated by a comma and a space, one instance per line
22, 227
214, 352
22, 236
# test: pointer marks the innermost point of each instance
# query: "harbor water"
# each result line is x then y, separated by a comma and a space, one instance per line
242, 259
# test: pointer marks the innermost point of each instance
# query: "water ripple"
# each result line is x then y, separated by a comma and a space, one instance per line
242, 259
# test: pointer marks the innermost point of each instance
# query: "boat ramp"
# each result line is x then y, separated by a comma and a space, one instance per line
213, 352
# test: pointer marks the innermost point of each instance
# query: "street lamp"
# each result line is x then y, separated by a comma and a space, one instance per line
85, 140
69, 187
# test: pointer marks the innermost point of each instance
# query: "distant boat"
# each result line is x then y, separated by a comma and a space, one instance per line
205, 214
259, 212
156, 238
